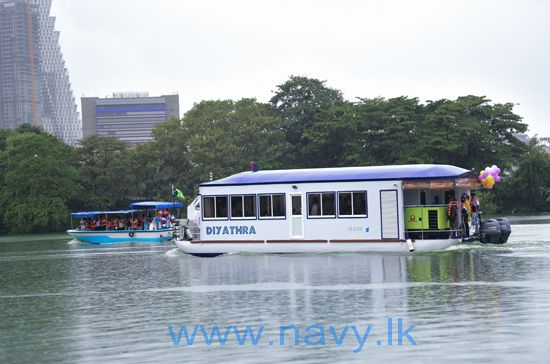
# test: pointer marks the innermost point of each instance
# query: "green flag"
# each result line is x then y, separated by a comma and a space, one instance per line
178, 194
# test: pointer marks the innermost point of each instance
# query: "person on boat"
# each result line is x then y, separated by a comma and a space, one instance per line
146, 224
464, 215
134, 223
157, 221
121, 223
475, 205
452, 214
97, 223
104, 223
166, 222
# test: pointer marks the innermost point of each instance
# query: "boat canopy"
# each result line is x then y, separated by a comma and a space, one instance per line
96, 213
375, 173
155, 205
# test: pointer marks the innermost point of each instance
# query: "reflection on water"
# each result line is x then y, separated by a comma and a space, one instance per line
62, 302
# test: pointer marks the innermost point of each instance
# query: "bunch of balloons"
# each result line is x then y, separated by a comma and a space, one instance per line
489, 176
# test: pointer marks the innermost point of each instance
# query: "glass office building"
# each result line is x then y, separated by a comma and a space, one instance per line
129, 117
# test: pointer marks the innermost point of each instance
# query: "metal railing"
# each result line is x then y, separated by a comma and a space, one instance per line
423, 233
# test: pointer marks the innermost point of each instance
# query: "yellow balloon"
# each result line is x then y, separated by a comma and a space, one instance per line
490, 179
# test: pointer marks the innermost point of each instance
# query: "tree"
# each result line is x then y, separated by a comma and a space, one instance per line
163, 162
333, 140
38, 182
225, 135
471, 133
389, 130
4, 134
300, 103
105, 174
528, 187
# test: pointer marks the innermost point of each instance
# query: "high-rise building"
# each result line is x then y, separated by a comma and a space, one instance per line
34, 83
127, 116
20, 68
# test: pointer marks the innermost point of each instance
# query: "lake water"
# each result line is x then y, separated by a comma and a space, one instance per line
64, 302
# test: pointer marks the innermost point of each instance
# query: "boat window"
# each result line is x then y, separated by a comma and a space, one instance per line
352, 204
214, 207
243, 206
272, 206
321, 204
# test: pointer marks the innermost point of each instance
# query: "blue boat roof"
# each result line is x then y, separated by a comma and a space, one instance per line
373, 173
85, 214
155, 205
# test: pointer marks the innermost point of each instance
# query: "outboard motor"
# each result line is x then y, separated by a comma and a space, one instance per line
489, 232
505, 229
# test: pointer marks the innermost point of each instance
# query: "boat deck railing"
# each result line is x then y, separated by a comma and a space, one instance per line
119, 230
192, 227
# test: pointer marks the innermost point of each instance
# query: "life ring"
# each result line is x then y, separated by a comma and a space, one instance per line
131, 234
412, 218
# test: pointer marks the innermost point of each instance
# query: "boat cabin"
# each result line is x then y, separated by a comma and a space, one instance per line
351, 204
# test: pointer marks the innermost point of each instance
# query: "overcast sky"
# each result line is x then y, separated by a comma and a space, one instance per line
205, 49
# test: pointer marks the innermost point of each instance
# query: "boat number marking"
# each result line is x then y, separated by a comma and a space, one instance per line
358, 228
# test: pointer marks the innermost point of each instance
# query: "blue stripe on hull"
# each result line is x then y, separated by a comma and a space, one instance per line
108, 238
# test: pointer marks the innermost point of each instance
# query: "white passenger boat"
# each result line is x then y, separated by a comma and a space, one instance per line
137, 234
354, 209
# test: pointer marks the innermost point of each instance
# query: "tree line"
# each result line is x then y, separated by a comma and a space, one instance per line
306, 124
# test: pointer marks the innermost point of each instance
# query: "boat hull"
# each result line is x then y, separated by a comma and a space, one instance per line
121, 236
212, 248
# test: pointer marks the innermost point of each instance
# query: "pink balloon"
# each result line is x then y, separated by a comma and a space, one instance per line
497, 178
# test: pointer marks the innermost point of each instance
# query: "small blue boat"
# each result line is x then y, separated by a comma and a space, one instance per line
142, 223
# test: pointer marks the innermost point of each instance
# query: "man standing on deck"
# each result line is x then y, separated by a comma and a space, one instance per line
474, 203
464, 215
452, 215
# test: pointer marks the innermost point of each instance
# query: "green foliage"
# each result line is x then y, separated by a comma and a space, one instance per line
33, 129
528, 187
104, 165
389, 130
37, 182
163, 162
471, 133
301, 103
333, 140
224, 136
